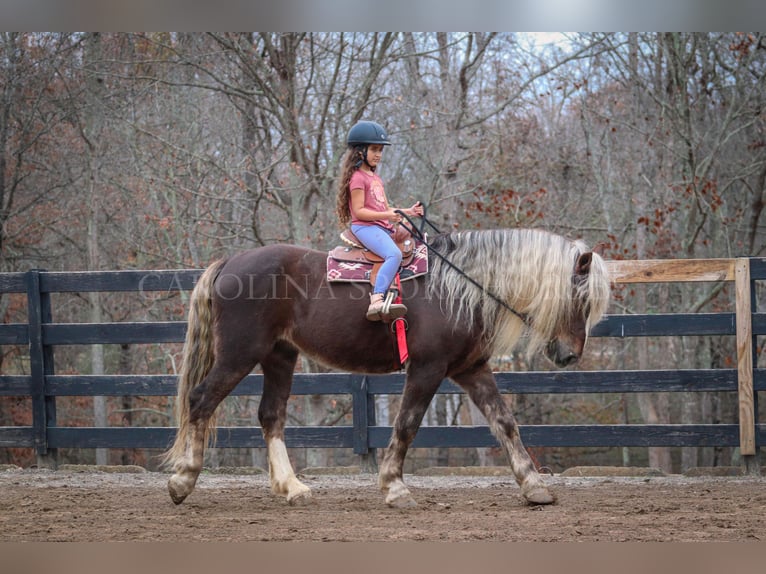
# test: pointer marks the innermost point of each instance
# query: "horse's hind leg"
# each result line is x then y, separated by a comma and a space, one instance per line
482, 389
278, 370
418, 392
203, 401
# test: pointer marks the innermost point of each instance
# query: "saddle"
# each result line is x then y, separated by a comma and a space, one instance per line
352, 261
353, 250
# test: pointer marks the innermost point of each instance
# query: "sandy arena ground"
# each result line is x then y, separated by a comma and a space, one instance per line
92, 506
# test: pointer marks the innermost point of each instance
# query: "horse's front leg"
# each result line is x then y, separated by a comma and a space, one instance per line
277, 380
418, 392
480, 385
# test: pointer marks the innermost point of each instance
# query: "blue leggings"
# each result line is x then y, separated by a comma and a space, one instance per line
380, 242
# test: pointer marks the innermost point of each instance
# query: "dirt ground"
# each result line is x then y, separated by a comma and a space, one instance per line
44, 505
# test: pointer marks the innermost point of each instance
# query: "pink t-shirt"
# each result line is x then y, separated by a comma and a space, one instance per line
374, 197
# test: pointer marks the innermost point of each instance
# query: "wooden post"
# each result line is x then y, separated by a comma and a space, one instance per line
747, 442
370, 460
41, 364
363, 418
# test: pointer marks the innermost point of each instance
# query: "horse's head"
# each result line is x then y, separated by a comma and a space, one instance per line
588, 303
526, 286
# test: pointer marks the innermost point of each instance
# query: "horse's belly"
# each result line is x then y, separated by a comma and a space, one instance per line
363, 351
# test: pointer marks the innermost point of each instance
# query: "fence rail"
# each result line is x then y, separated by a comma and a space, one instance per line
42, 335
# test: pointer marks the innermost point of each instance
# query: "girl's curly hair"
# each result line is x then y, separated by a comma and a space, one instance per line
351, 161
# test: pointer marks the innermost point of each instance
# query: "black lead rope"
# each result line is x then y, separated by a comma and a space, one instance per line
419, 233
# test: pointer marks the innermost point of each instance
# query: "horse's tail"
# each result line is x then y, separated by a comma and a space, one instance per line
197, 360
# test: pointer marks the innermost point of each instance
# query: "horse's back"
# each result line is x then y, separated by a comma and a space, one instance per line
265, 272
259, 259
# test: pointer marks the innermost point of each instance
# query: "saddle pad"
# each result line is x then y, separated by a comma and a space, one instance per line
360, 271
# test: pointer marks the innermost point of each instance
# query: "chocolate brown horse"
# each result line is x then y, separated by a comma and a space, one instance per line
265, 306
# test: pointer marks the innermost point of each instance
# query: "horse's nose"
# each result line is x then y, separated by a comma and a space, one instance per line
569, 359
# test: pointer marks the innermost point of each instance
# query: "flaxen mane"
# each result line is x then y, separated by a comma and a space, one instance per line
531, 270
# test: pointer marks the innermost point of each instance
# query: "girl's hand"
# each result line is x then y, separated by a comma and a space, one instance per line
416, 209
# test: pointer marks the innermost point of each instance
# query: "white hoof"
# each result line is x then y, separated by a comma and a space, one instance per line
399, 496
180, 486
538, 495
299, 495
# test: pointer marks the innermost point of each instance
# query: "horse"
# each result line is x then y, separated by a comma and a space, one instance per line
486, 290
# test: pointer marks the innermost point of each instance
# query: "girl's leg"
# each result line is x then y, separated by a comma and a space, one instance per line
380, 242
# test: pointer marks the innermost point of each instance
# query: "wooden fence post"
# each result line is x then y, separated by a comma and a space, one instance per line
41, 364
370, 460
745, 354
363, 417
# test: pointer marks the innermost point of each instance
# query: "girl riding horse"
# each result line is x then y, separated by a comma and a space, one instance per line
362, 202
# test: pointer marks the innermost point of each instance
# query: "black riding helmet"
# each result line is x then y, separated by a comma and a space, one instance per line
364, 133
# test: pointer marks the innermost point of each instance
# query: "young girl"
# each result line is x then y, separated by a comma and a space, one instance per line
362, 202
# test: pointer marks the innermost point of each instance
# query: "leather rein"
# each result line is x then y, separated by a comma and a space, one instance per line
419, 233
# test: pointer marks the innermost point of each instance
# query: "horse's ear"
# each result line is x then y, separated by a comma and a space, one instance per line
600, 248
582, 267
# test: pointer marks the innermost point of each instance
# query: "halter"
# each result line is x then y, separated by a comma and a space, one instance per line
419, 233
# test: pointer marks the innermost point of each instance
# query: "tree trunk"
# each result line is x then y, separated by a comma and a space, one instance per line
654, 407
94, 133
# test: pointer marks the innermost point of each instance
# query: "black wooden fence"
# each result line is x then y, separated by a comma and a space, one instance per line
41, 333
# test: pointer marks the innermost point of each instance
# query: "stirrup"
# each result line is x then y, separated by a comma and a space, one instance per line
392, 311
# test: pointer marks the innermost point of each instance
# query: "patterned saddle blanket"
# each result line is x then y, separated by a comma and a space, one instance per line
353, 263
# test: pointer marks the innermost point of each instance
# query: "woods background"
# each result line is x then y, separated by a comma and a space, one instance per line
167, 150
